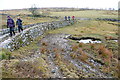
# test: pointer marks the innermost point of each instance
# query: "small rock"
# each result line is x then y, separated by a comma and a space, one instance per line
12, 57
53, 71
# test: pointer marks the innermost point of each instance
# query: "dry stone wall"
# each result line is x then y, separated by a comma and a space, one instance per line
29, 34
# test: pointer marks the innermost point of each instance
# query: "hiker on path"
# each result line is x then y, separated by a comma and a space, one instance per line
69, 18
19, 23
10, 25
65, 18
73, 17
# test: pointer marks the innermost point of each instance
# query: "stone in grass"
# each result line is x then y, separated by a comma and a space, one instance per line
12, 57
53, 71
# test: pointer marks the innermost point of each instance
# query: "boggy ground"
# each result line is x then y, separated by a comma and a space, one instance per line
54, 55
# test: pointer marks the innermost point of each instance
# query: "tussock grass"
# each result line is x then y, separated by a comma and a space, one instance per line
83, 56
105, 54
5, 54
43, 50
75, 47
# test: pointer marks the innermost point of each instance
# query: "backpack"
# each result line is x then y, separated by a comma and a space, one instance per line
11, 21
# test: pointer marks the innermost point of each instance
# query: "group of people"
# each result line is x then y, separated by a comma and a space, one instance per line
69, 18
11, 25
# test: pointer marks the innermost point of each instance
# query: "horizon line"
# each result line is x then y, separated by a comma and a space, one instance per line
63, 7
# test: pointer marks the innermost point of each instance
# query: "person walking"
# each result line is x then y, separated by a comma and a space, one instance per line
73, 17
69, 18
19, 23
65, 18
10, 25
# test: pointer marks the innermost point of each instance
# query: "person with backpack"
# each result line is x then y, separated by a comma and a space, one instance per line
10, 25
73, 17
65, 18
19, 23
69, 18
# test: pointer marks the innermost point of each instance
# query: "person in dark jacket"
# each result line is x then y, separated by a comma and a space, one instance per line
65, 18
10, 25
19, 23
69, 18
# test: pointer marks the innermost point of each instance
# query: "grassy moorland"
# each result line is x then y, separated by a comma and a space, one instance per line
90, 27
25, 15
88, 14
29, 20
105, 53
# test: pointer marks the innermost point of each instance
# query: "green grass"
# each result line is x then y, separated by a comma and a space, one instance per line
88, 14
91, 28
5, 54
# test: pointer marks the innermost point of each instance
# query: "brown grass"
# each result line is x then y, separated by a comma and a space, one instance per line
57, 56
73, 55
83, 56
81, 44
75, 47
105, 54
27, 71
92, 46
43, 50
108, 37
55, 50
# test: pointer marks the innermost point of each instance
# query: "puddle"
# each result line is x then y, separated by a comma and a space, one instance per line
86, 39
89, 41
115, 40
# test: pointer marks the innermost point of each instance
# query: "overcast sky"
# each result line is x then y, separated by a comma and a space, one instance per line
19, 4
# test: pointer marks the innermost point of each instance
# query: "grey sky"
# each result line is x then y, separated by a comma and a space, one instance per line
19, 4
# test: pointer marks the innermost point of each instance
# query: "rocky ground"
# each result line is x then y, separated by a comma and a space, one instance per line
55, 56
60, 55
